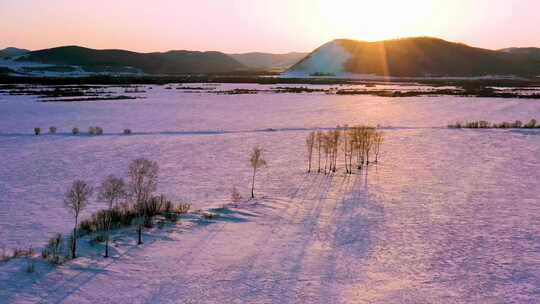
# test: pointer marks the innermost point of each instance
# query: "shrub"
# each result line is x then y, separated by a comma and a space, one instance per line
208, 215
30, 267
37, 131
183, 208
235, 195
154, 206
127, 132
52, 130
171, 216
504, 125
120, 216
95, 131
169, 212
168, 207
456, 125
4, 256
484, 124
75, 131
20, 252
55, 250
531, 124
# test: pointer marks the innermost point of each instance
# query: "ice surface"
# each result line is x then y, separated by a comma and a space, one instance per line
447, 216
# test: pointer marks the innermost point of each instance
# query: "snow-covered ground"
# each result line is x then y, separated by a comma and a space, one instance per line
447, 216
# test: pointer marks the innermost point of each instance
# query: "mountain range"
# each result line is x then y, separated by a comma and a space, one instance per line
408, 57
172, 62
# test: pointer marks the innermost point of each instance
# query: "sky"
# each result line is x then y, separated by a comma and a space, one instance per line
278, 26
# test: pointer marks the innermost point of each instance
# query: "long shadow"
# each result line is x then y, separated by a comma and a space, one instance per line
312, 223
278, 223
68, 285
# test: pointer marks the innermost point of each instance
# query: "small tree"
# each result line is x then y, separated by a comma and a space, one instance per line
319, 138
531, 124
310, 143
142, 182
378, 139
112, 189
76, 199
257, 161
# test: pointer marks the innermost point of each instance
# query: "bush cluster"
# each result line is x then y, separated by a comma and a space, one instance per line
482, 124
95, 131
124, 215
56, 251
16, 253
76, 131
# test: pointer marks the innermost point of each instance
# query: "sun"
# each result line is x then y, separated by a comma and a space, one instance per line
375, 20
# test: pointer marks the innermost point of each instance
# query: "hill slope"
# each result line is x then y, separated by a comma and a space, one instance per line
414, 57
269, 61
12, 52
172, 62
532, 52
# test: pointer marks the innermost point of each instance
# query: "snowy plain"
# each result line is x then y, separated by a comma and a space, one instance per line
447, 216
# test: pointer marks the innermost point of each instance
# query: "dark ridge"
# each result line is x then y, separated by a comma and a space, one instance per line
172, 62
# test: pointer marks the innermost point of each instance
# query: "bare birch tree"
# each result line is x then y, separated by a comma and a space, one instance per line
112, 189
378, 140
76, 199
257, 161
320, 137
369, 143
310, 143
142, 182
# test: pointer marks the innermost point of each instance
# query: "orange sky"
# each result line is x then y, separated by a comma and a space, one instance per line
261, 25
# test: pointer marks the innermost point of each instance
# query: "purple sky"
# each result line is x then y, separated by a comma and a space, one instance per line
262, 25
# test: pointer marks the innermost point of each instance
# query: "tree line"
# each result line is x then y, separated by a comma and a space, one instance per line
483, 124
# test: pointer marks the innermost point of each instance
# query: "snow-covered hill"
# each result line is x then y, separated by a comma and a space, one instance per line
329, 60
421, 57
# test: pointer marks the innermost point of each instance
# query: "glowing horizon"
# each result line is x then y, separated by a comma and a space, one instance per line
278, 26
